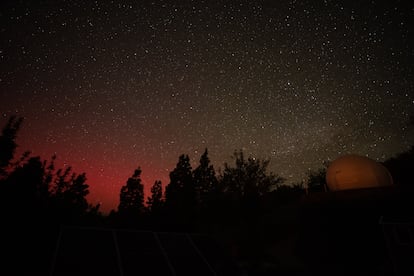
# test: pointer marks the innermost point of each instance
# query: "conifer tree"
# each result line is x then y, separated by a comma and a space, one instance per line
205, 180
155, 202
131, 200
180, 192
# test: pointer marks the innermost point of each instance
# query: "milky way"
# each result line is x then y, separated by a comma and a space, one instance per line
112, 86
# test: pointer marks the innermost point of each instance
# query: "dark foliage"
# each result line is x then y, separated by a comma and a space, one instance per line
131, 199
8, 143
401, 167
316, 181
35, 199
246, 208
180, 193
155, 202
249, 179
205, 181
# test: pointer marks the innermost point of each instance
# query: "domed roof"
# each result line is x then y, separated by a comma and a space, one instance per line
356, 172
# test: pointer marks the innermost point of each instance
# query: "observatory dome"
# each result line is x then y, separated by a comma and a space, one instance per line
356, 172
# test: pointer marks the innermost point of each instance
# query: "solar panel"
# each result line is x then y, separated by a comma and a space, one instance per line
399, 237
85, 252
183, 256
140, 254
99, 251
217, 256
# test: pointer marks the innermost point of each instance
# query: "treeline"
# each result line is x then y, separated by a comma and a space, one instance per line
194, 198
37, 199
198, 196
247, 208
34, 189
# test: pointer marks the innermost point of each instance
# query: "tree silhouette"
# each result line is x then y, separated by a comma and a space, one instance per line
60, 183
68, 192
401, 167
316, 180
35, 187
8, 143
249, 178
284, 194
180, 198
76, 193
25, 189
155, 202
244, 189
205, 180
31, 210
131, 201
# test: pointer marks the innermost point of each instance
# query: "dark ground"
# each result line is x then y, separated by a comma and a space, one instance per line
365, 232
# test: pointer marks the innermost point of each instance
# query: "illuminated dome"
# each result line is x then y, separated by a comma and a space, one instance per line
356, 172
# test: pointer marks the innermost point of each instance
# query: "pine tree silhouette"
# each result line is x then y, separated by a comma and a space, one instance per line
180, 196
131, 201
155, 202
205, 180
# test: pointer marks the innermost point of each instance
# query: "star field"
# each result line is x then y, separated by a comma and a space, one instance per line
112, 85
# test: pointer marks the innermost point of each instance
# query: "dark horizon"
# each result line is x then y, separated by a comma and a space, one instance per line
112, 204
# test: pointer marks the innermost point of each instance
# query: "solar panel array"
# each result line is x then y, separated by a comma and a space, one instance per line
399, 237
99, 251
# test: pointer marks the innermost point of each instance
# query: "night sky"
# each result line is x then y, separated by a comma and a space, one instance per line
112, 85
